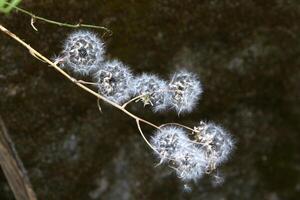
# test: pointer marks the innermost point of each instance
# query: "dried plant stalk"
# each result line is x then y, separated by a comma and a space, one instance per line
39, 56
13, 168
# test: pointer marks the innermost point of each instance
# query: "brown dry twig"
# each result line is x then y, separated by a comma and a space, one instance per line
81, 84
13, 167
39, 56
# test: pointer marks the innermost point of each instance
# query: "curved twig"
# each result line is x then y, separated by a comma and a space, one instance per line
13, 168
66, 75
86, 82
150, 93
80, 83
35, 17
99, 106
176, 124
142, 134
133, 99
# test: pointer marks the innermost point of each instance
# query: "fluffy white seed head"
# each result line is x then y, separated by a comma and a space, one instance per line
154, 89
168, 141
190, 164
114, 81
185, 90
82, 53
176, 149
215, 141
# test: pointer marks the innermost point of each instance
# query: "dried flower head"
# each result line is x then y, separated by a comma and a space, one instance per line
185, 90
167, 141
216, 143
190, 164
154, 89
114, 81
82, 53
175, 148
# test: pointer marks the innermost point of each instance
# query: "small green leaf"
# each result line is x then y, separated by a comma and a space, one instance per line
7, 5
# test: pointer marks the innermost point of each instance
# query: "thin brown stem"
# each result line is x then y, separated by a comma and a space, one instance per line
99, 106
13, 168
80, 83
150, 93
132, 100
86, 82
35, 17
99, 96
142, 134
176, 124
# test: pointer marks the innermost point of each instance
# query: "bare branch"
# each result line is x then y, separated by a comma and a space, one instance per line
66, 75
13, 167
132, 100
99, 106
35, 17
176, 124
142, 134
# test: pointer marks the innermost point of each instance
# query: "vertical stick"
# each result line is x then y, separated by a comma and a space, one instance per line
13, 167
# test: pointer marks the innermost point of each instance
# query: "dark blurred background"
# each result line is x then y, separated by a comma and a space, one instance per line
246, 53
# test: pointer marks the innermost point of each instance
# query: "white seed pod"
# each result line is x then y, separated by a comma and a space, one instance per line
167, 141
114, 81
217, 143
154, 89
185, 90
190, 164
83, 52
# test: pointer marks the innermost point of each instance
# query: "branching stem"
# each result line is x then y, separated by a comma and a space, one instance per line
142, 134
132, 100
35, 17
80, 83
86, 82
142, 95
176, 124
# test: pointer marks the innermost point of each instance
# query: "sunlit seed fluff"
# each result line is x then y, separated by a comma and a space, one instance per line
114, 81
216, 142
185, 90
189, 164
169, 140
147, 84
82, 53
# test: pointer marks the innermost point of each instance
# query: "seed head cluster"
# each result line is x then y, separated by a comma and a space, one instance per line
218, 144
169, 140
189, 164
154, 90
114, 81
83, 52
191, 154
185, 90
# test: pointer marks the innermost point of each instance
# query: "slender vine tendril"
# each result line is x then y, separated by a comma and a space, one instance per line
35, 17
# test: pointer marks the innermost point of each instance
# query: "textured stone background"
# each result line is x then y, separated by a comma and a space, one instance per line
247, 55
